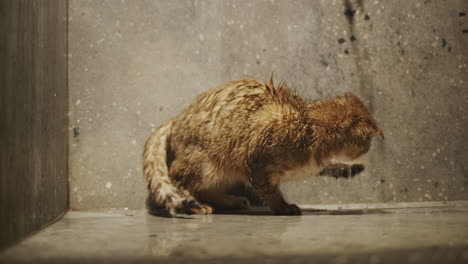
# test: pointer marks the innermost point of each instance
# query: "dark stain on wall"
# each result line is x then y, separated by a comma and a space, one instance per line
33, 120
366, 82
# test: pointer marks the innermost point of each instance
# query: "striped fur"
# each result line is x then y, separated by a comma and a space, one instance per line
164, 193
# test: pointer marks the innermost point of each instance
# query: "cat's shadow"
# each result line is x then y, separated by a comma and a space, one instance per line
260, 210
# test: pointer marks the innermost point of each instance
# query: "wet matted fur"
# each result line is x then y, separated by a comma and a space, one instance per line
251, 132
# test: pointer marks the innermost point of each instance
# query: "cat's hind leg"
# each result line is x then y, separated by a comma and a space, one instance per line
185, 178
220, 200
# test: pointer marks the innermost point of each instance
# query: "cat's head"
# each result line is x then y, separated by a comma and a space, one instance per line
347, 124
359, 127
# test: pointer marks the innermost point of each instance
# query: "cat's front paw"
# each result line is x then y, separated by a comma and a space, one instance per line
289, 209
355, 169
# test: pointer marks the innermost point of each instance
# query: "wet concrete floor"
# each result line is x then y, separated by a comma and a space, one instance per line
432, 234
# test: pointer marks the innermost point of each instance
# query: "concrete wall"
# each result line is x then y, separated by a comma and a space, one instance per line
137, 63
33, 120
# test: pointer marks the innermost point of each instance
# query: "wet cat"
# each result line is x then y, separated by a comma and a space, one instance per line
251, 132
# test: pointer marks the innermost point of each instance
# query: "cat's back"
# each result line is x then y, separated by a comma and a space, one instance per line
230, 102
228, 97
231, 114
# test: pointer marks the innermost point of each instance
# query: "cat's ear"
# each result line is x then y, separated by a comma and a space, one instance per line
380, 133
365, 127
376, 130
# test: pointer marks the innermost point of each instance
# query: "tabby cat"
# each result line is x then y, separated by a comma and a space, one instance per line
251, 132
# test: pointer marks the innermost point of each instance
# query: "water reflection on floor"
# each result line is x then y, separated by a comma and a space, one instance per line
254, 233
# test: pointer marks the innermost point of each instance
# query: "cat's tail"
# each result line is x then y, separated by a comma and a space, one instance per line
164, 196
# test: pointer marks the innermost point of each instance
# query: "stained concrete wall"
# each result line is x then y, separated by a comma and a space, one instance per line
33, 119
135, 64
